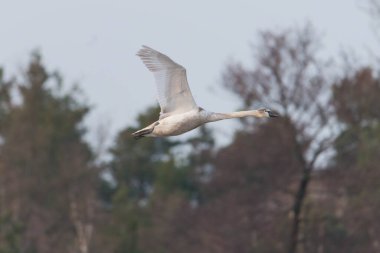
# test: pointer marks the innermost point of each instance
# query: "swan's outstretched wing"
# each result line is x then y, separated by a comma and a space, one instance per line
174, 94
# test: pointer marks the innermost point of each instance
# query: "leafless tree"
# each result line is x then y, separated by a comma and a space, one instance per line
373, 9
290, 77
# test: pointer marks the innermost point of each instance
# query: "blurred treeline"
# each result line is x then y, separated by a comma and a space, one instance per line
306, 182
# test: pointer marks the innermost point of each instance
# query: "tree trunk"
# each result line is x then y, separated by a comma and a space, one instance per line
297, 209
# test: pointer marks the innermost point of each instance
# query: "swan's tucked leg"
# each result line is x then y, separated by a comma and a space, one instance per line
145, 131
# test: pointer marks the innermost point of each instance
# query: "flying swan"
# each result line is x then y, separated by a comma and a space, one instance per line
179, 112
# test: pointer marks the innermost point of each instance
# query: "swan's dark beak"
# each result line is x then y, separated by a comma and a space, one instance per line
273, 114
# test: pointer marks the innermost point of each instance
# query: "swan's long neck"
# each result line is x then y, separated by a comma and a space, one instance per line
213, 116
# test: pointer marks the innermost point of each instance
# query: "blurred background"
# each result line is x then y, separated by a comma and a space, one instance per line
72, 91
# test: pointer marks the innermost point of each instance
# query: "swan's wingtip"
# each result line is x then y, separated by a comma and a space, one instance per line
143, 50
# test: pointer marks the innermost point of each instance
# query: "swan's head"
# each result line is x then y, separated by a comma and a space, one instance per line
267, 113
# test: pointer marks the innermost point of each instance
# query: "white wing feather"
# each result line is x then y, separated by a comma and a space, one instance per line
174, 94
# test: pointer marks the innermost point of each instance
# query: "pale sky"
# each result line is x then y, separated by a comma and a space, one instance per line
94, 43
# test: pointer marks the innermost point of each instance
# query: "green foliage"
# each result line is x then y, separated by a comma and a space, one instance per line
171, 178
335, 230
10, 232
135, 162
5, 99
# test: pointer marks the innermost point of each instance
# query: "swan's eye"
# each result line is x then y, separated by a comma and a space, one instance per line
262, 110
267, 110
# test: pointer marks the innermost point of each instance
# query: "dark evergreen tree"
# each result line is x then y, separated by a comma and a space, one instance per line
46, 165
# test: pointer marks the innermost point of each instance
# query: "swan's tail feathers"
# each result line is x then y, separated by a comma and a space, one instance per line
145, 131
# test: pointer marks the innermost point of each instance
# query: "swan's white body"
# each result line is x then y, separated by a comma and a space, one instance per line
179, 112
178, 123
